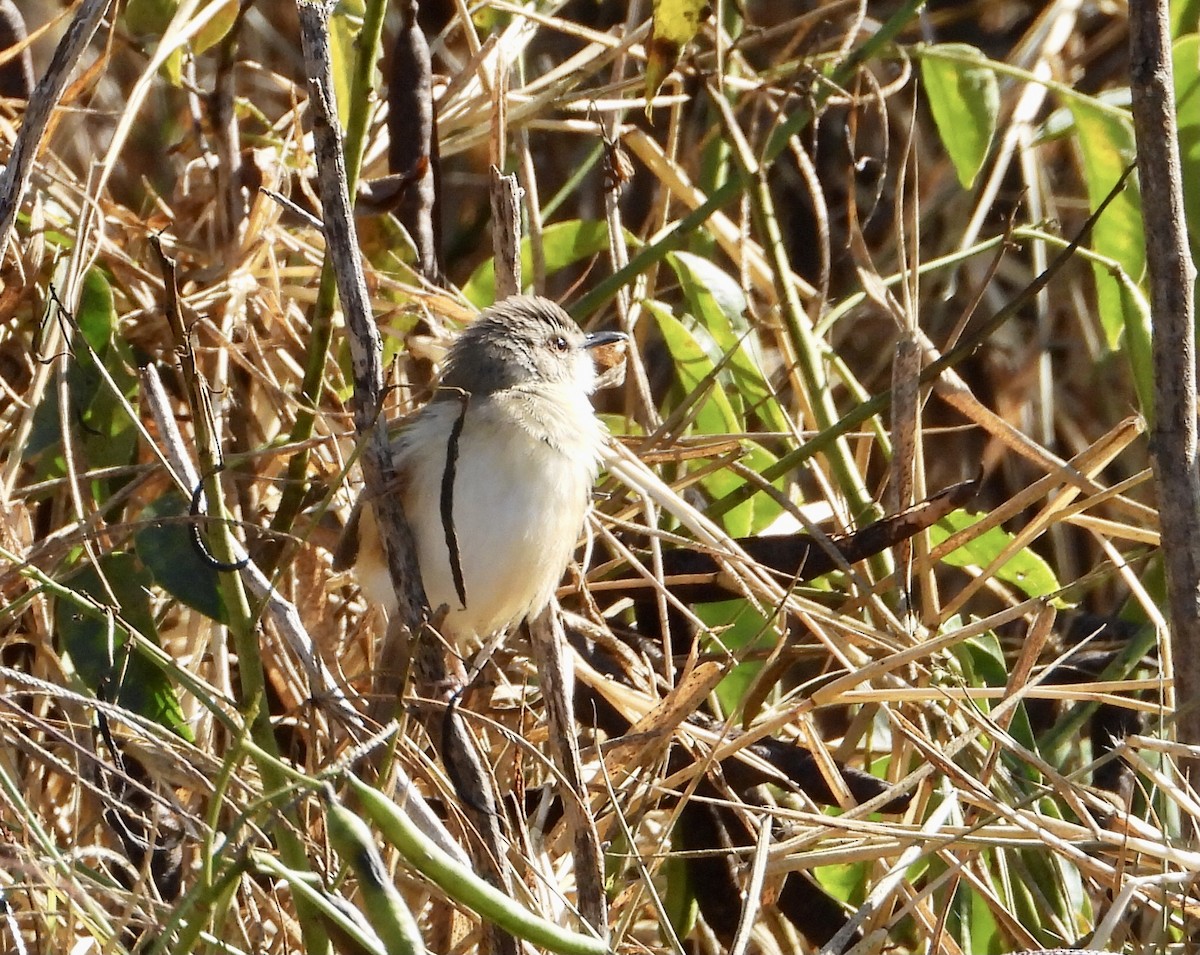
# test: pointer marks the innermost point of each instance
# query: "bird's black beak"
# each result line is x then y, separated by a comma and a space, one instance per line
598, 339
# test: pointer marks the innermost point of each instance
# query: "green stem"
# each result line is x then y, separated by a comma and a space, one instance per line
243, 627
808, 351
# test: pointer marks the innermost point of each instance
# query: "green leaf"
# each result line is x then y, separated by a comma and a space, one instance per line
965, 100
982, 932
1061, 123
737, 626
719, 325
716, 414
766, 508
676, 23
982, 661
679, 900
1106, 143
97, 315
172, 67
755, 514
983, 664
214, 31
1135, 315
1025, 570
149, 17
169, 553
716, 298
694, 370
720, 412
563, 244
1185, 17
1045, 871
846, 882
98, 644
1186, 60
107, 437
719, 305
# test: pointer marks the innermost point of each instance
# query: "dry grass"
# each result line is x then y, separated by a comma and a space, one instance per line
952, 675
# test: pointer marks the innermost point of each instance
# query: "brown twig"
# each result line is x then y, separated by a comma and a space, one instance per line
506, 233
1172, 281
412, 146
550, 653
366, 348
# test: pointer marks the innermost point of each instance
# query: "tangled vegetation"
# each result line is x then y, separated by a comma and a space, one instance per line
867, 632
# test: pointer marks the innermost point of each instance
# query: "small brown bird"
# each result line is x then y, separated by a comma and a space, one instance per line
512, 438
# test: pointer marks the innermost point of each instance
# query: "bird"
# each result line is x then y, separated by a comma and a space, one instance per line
496, 472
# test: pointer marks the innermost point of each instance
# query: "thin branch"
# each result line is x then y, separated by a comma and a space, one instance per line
1172, 282
366, 347
552, 658
506, 232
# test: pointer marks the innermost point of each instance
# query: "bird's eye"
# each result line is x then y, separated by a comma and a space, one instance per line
560, 344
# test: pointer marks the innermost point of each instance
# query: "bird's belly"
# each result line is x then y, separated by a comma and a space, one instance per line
518, 509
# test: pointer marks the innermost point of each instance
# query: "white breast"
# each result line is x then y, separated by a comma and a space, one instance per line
524, 472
